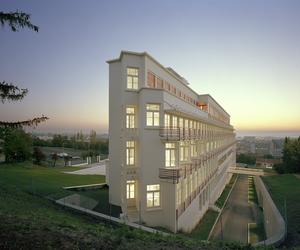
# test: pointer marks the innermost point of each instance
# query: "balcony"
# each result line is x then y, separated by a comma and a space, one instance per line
179, 134
174, 174
170, 174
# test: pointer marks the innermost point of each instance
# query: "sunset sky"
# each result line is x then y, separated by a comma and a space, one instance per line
246, 54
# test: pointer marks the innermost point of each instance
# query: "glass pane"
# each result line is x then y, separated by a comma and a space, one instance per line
150, 199
156, 119
149, 119
130, 110
153, 187
156, 199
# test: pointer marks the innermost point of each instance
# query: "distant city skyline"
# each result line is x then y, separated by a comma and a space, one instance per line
246, 54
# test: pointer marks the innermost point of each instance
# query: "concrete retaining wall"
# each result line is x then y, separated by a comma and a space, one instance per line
274, 223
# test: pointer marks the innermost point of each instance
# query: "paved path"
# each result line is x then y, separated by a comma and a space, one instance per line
98, 169
237, 213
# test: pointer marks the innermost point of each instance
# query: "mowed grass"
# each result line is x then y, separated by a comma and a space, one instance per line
202, 230
220, 202
287, 187
252, 195
103, 206
43, 181
30, 221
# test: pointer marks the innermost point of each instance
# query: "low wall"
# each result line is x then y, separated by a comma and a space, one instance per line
63, 202
273, 221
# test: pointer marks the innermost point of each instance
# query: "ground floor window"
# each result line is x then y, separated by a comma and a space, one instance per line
153, 195
130, 189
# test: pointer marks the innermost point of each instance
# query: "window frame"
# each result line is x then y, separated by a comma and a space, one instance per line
153, 115
153, 194
129, 185
133, 77
130, 153
130, 116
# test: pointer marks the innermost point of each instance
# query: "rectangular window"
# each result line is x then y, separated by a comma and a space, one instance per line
167, 120
180, 122
130, 117
132, 78
130, 153
159, 83
151, 80
130, 189
184, 151
170, 154
174, 122
152, 115
193, 149
153, 196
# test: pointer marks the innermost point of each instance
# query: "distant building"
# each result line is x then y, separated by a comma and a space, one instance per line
169, 148
276, 147
267, 163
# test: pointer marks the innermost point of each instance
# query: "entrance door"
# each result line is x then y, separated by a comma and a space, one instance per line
130, 193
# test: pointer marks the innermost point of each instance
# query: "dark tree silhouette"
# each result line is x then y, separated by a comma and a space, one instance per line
9, 91
16, 20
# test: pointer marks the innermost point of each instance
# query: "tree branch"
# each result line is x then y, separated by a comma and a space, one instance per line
28, 123
8, 91
16, 20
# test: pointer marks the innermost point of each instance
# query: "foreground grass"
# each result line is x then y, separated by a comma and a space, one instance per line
43, 181
252, 195
220, 202
31, 222
287, 187
202, 230
103, 206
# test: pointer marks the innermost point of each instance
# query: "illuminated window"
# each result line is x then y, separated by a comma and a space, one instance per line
130, 189
180, 122
170, 154
193, 149
132, 78
130, 153
174, 122
153, 195
152, 115
130, 117
186, 123
167, 120
184, 151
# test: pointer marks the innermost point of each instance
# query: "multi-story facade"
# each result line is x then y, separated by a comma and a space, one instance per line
169, 148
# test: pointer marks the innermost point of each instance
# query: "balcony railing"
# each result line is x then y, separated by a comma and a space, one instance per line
172, 174
178, 134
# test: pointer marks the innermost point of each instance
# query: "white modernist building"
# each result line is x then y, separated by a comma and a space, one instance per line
169, 147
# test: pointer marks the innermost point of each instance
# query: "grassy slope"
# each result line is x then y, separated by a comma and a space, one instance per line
220, 202
29, 221
43, 181
202, 230
287, 187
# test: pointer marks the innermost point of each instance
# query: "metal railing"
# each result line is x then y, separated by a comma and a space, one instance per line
177, 134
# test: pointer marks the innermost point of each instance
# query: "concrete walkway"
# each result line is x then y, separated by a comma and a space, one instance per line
95, 169
237, 213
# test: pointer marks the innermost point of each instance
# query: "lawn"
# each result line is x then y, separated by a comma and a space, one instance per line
103, 206
252, 195
202, 230
30, 221
220, 202
287, 187
43, 181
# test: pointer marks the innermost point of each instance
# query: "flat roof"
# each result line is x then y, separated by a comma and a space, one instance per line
177, 76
